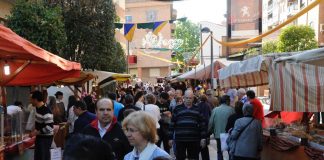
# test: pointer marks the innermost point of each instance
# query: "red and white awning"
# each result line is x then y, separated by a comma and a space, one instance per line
295, 86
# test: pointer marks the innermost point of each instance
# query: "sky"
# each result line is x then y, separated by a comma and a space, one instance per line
201, 10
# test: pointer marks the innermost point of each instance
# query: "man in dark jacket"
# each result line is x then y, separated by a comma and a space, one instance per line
204, 107
107, 128
164, 121
84, 117
189, 128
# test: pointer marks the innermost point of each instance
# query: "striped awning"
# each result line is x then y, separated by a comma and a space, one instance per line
297, 87
247, 73
297, 82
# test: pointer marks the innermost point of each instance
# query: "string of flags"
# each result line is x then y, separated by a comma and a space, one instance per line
129, 28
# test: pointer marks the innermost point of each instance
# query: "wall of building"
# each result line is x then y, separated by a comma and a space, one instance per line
141, 11
218, 32
5, 8
147, 77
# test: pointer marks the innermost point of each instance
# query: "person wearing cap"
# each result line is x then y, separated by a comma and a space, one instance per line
245, 140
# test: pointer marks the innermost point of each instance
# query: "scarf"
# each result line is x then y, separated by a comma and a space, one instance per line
146, 154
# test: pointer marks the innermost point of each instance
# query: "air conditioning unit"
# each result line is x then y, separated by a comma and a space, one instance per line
321, 28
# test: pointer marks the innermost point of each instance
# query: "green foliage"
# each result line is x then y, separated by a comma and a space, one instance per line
39, 24
297, 38
270, 47
190, 34
120, 59
91, 36
251, 51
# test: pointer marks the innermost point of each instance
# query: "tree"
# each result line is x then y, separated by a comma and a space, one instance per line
91, 35
270, 47
39, 24
190, 34
297, 38
119, 59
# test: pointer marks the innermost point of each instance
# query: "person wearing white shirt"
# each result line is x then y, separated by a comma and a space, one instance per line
152, 109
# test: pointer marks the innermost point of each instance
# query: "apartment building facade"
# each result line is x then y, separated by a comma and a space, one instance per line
151, 64
276, 12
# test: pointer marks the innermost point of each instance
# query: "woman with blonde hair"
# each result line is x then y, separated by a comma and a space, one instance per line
140, 129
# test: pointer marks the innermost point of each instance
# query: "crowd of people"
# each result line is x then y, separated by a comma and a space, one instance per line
146, 124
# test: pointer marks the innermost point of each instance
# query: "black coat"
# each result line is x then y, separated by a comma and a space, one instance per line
114, 136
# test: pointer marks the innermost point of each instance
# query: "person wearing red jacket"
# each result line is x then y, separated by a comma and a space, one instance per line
258, 112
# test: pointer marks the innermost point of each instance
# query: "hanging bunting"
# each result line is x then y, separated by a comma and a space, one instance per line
158, 26
148, 25
119, 25
129, 30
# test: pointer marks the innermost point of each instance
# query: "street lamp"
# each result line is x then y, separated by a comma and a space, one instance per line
207, 30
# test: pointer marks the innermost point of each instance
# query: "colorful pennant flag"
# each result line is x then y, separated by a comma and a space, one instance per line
148, 25
158, 26
129, 30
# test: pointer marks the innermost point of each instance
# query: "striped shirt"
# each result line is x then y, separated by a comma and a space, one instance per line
44, 121
187, 124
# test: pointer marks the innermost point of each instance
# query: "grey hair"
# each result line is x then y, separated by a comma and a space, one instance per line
241, 91
188, 91
247, 109
104, 101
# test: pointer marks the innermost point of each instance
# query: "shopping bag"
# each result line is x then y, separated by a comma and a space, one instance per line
56, 153
223, 138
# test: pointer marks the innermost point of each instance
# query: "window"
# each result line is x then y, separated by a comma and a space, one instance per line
151, 15
154, 72
128, 19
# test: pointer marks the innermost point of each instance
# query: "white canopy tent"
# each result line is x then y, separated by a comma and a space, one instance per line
247, 73
203, 71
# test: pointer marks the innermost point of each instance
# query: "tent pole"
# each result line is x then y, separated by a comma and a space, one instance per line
3, 98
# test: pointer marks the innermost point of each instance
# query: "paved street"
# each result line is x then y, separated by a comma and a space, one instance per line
212, 151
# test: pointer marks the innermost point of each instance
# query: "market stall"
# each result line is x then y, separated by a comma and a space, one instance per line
203, 72
247, 73
110, 80
297, 83
296, 87
26, 64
